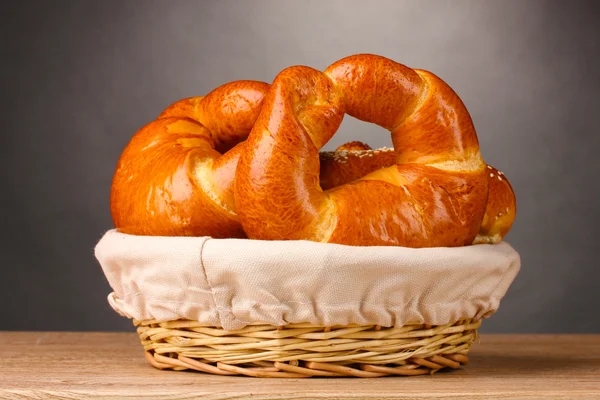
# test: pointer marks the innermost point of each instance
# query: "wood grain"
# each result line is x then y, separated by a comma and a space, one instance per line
44, 365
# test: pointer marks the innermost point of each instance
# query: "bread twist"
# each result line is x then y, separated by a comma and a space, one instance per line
175, 177
354, 160
435, 195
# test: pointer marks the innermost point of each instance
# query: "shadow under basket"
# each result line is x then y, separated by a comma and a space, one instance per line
306, 350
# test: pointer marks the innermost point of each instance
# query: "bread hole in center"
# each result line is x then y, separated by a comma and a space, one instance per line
353, 129
354, 162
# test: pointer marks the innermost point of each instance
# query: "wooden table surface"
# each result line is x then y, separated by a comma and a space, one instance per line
111, 365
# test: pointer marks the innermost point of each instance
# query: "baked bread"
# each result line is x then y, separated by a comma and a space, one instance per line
175, 177
435, 195
353, 160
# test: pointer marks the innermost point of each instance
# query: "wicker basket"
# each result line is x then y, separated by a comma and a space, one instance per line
283, 309
306, 350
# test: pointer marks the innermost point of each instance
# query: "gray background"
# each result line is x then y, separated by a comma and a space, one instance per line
80, 77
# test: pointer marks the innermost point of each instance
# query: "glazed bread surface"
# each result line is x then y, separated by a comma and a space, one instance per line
435, 195
176, 176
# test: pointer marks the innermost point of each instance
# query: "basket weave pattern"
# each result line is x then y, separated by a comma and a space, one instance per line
306, 350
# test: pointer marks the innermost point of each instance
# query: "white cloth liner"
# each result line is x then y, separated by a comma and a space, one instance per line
231, 283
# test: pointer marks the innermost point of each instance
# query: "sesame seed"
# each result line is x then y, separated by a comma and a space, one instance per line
499, 214
489, 167
499, 178
491, 175
507, 210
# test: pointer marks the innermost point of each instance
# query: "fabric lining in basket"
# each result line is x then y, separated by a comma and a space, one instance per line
233, 283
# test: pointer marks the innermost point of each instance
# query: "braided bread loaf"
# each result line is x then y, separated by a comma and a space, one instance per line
436, 193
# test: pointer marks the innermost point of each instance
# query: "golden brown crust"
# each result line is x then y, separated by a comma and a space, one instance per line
344, 166
277, 192
349, 163
501, 208
435, 196
427, 210
172, 180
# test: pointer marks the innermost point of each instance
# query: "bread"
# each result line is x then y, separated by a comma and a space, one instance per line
435, 195
354, 160
175, 177
501, 208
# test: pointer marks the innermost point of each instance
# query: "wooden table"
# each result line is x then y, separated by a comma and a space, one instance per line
101, 365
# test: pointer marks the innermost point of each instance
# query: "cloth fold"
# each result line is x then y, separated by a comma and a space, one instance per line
231, 283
